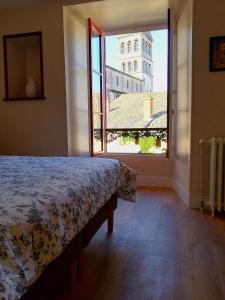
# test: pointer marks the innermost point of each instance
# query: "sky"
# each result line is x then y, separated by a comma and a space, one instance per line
159, 54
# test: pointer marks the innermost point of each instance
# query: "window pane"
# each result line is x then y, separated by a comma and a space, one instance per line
96, 92
95, 52
97, 137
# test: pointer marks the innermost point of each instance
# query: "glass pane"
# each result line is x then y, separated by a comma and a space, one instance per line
96, 92
97, 137
95, 52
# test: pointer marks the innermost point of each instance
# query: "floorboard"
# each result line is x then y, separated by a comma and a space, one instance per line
160, 249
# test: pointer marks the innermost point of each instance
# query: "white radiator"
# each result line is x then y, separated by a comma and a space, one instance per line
212, 174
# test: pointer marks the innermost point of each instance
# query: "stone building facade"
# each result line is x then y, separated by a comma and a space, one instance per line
136, 57
118, 83
136, 66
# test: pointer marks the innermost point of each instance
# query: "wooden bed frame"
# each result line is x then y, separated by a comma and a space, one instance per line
58, 270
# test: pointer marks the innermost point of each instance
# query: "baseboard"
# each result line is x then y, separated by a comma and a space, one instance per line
181, 192
153, 181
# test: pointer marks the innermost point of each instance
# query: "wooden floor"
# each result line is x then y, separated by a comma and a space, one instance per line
160, 249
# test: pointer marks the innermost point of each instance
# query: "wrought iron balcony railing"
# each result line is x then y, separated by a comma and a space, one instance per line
134, 140
136, 133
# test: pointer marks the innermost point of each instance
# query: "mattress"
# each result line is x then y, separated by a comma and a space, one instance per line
44, 203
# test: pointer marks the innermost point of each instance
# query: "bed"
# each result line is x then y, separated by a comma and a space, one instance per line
50, 207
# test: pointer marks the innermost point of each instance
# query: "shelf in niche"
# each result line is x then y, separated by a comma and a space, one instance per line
23, 98
23, 64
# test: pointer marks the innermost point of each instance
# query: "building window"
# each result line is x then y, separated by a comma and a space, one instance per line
129, 66
127, 84
123, 67
143, 45
122, 48
135, 66
129, 46
146, 47
144, 67
117, 80
136, 87
136, 45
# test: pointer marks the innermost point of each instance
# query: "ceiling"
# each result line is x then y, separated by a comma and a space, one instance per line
120, 16
9, 3
114, 16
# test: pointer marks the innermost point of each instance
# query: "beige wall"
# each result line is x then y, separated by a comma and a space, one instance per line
152, 170
208, 108
16, 60
36, 127
182, 98
76, 66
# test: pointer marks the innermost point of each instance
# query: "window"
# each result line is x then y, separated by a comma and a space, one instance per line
129, 66
135, 66
143, 45
129, 46
144, 67
122, 48
146, 47
136, 45
123, 67
117, 80
137, 120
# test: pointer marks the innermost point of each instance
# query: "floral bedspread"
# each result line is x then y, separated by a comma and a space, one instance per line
44, 203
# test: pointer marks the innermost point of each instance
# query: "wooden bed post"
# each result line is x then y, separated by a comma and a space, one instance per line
110, 222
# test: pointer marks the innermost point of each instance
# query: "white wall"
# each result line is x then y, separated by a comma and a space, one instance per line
76, 66
182, 99
208, 107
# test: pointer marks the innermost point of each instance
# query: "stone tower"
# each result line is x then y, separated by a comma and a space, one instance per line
135, 56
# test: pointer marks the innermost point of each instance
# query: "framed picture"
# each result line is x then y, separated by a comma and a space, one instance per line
217, 54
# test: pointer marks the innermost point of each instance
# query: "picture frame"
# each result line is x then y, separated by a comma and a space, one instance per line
217, 54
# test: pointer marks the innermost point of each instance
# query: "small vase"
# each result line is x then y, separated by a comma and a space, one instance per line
31, 88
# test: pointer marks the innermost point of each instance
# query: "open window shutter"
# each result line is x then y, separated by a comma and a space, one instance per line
97, 90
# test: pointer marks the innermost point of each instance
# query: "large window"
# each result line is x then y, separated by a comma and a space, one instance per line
135, 117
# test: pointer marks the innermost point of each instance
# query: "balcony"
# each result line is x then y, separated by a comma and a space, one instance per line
135, 140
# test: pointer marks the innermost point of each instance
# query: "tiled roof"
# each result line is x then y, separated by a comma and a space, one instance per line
127, 111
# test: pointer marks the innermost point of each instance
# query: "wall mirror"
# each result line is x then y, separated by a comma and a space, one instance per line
23, 64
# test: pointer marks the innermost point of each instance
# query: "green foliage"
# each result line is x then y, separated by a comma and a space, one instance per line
126, 139
145, 143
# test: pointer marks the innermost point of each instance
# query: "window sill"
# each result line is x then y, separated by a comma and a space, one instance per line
23, 98
136, 156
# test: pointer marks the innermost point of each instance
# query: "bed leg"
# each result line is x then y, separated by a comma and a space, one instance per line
80, 265
110, 223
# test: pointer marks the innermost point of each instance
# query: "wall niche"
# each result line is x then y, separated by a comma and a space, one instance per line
23, 64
